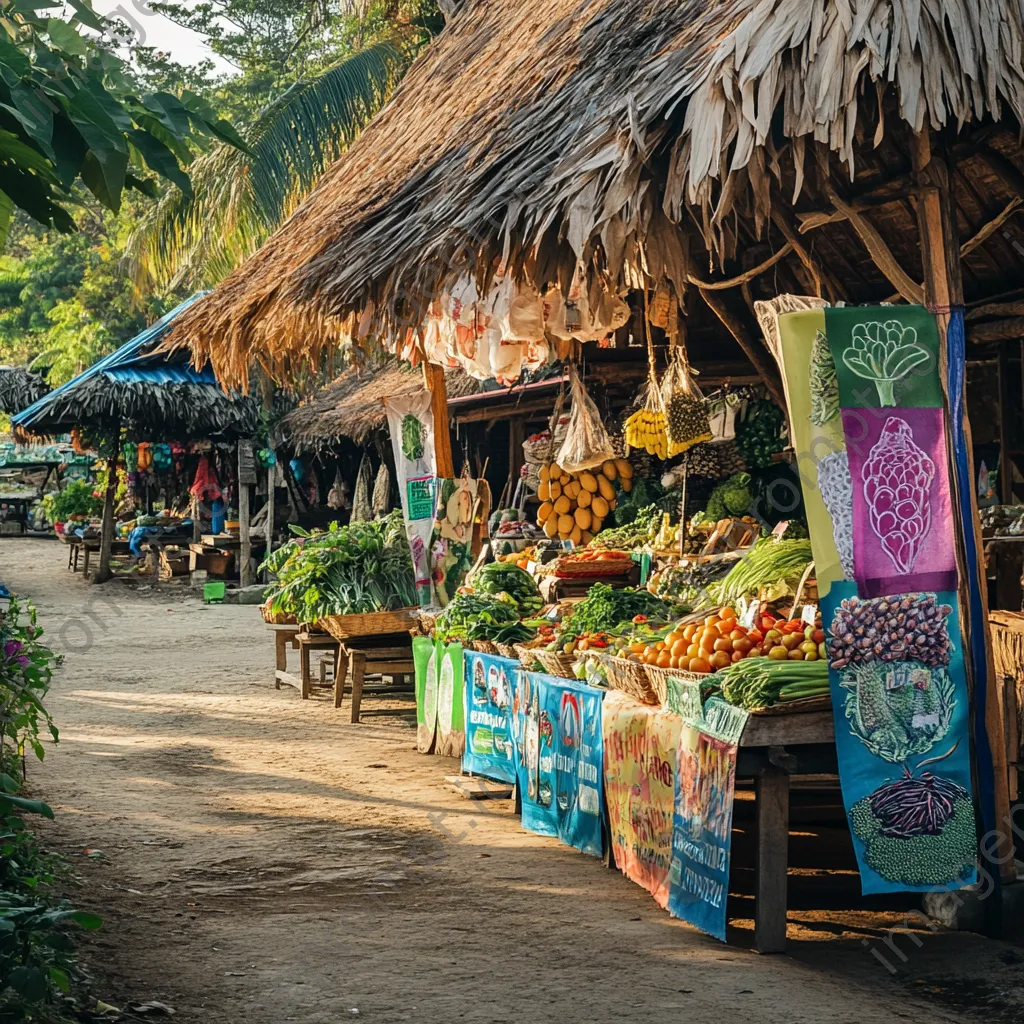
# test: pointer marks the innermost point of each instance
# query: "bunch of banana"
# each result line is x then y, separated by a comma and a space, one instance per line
646, 429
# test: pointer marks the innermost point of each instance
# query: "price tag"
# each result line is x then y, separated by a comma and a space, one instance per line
809, 613
749, 616
780, 529
531, 568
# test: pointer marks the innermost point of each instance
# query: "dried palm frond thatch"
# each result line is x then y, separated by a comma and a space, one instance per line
352, 406
562, 133
19, 388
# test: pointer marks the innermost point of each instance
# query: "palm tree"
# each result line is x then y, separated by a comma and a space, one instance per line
239, 198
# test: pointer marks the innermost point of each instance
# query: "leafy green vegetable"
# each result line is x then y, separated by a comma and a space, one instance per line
347, 570
642, 530
481, 617
769, 562
605, 608
759, 436
732, 497
504, 578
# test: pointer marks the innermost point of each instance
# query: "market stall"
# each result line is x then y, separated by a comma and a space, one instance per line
140, 407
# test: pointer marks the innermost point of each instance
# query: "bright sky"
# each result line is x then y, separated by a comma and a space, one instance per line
155, 30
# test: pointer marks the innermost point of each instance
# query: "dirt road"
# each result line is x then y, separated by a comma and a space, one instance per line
262, 860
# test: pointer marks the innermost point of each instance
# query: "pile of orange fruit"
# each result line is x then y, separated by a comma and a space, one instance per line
701, 647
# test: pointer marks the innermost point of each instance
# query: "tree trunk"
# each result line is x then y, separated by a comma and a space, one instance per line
103, 573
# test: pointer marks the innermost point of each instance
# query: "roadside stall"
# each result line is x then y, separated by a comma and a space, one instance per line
680, 204
140, 407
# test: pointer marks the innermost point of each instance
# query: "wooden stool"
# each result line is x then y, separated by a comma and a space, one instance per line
313, 642
283, 636
382, 660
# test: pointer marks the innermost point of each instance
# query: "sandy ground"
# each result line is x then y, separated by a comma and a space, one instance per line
257, 858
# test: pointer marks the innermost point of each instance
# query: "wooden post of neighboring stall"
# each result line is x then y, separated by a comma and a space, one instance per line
943, 286
103, 572
271, 503
433, 377
246, 477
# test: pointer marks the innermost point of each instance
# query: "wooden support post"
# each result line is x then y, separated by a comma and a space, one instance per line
771, 895
943, 287
271, 510
433, 378
754, 350
1005, 462
245, 554
103, 573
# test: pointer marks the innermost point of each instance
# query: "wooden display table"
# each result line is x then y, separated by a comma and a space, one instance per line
773, 748
373, 660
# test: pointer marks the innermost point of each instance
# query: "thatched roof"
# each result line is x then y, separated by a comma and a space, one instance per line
19, 388
599, 131
154, 395
352, 406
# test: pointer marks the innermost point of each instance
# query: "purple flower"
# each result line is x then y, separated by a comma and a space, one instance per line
12, 647
22, 661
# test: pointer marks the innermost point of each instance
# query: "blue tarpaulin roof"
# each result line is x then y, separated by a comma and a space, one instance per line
137, 385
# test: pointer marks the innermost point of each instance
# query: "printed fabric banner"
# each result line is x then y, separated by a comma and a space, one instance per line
640, 758
411, 424
559, 757
899, 697
490, 686
425, 659
702, 820
451, 709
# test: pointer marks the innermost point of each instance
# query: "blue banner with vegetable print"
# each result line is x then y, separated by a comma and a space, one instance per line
489, 690
899, 697
559, 756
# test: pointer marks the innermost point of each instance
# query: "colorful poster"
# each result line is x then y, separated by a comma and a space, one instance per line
411, 424
490, 685
640, 759
452, 537
451, 711
562, 759
702, 820
899, 698
902, 513
425, 659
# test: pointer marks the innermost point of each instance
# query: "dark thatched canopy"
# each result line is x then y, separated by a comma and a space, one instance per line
352, 406
153, 395
19, 388
626, 137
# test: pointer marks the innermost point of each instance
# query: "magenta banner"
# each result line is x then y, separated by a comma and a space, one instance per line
903, 517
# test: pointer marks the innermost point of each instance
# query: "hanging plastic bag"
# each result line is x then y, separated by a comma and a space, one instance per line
381, 501
336, 495
587, 444
686, 411
361, 510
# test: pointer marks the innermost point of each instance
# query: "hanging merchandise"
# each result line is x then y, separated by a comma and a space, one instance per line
759, 434
162, 458
645, 429
145, 459
361, 511
337, 496
586, 445
130, 454
381, 500
686, 412
205, 486
723, 410
452, 537
411, 423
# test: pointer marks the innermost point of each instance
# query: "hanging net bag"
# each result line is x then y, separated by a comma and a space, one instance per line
587, 444
686, 409
645, 429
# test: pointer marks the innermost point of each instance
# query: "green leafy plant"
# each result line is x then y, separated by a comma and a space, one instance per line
345, 570
884, 353
77, 499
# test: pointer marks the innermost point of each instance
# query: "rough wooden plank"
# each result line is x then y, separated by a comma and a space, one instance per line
476, 788
433, 377
788, 730
771, 893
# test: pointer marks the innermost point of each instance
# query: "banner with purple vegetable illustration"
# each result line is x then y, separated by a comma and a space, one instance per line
490, 684
900, 703
902, 512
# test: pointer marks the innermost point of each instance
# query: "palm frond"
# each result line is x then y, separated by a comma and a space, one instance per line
240, 198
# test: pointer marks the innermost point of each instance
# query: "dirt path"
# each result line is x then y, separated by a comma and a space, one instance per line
264, 861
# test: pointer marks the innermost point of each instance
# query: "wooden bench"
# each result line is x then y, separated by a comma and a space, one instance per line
307, 643
284, 636
380, 660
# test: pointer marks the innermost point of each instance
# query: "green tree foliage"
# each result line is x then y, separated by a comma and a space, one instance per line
311, 77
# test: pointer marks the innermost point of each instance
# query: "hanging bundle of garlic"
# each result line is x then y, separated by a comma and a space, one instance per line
587, 444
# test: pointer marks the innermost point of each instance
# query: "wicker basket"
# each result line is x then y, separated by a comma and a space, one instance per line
659, 678
568, 569
277, 618
527, 656
507, 650
796, 707
627, 676
556, 664
482, 646
345, 627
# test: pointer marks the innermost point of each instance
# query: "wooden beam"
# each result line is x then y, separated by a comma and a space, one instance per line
996, 309
244, 522
754, 350
1005, 405
877, 249
940, 251
745, 277
826, 284
433, 377
988, 230
998, 330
